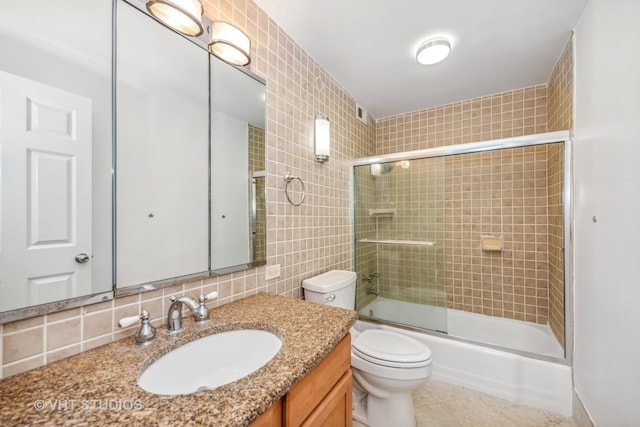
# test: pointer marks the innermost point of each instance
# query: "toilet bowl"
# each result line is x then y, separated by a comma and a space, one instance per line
386, 366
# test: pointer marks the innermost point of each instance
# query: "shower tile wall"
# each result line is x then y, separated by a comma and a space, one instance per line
560, 92
556, 241
513, 283
305, 240
513, 113
415, 192
504, 194
365, 227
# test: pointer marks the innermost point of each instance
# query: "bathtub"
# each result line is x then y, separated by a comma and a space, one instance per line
499, 372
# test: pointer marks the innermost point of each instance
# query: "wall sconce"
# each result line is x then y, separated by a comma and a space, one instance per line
230, 44
184, 16
322, 138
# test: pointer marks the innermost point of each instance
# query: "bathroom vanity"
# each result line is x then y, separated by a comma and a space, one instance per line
321, 398
307, 383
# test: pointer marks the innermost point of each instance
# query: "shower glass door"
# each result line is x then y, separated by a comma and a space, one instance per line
399, 233
470, 241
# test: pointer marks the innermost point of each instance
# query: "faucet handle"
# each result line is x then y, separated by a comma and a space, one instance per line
125, 322
209, 296
146, 334
201, 314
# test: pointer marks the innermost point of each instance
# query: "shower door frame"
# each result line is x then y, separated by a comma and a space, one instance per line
563, 137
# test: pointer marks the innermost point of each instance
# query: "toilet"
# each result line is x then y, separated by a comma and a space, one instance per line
387, 366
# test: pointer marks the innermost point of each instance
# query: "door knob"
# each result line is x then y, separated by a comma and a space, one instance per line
82, 258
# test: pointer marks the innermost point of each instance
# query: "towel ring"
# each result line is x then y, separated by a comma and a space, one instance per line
287, 179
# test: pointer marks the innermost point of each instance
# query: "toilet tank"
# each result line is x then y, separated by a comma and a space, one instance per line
335, 287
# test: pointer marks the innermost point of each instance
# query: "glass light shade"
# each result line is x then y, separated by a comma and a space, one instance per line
322, 138
433, 51
184, 16
230, 44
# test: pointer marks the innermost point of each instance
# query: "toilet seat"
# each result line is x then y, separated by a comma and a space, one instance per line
391, 349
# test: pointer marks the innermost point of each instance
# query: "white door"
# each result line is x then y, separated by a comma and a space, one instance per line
45, 193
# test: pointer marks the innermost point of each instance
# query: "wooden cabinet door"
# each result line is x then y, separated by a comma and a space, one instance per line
335, 409
271, 418
309, 393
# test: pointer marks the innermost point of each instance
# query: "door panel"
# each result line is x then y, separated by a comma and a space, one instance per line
51, 189
45, 181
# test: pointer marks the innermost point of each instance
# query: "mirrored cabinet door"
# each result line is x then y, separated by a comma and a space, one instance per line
238, 226
55, 152
162, 152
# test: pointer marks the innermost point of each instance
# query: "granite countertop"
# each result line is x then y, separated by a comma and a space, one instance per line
99, 387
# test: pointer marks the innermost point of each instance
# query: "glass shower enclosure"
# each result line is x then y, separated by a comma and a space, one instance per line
399, 218
480, 229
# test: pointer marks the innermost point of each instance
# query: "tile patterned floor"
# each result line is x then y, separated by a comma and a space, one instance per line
439, 404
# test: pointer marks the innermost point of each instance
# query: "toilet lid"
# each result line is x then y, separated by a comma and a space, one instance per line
391, 349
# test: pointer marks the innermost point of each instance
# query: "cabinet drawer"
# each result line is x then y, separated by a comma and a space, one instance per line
303, 398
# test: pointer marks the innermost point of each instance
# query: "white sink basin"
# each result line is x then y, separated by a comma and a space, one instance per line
210, 362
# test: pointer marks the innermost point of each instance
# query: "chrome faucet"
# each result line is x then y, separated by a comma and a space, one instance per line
369, 277
198, 309
146, 334
371, 291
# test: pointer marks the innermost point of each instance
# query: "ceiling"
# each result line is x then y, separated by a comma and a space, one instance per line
368, 46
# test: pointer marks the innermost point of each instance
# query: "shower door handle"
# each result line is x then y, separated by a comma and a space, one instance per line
330, 298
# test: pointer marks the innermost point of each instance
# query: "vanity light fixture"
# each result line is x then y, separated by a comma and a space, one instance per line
433, 50
322, 139
184, 16
230, 44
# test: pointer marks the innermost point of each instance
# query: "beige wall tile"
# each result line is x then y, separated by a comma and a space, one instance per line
22, 366
63, 353
106, 305
64, 333
54, 317
23, 324
22, 344
88, 344
96, 324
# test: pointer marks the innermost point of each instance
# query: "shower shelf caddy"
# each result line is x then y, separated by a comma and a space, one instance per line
399, 242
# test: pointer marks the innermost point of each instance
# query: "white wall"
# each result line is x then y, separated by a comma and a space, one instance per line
607, 184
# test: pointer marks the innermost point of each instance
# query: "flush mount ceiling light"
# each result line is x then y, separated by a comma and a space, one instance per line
433, 51
184, 16
230, 44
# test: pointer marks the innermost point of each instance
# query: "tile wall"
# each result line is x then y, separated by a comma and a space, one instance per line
560, 92
513, 113
514, 194
504, 194
414, 194
496, 193
306, 240
365, 227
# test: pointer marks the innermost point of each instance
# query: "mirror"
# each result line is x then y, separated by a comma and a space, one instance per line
188, 126
237, 168
55, 151
64, 50
162, 171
